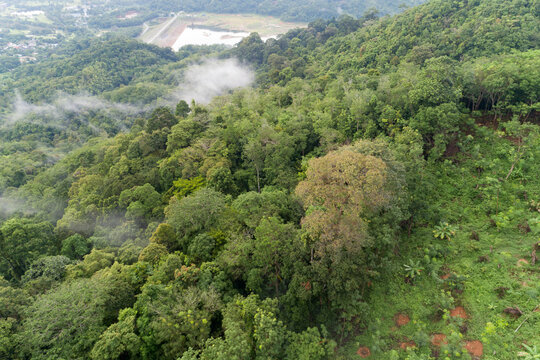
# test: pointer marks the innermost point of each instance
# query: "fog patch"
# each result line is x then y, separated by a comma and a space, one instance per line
64, 105
200, 82
10, 205
212, 78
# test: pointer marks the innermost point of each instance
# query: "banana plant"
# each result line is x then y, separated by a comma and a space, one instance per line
444, 231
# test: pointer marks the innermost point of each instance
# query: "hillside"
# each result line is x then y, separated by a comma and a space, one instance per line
294, 10
373, 195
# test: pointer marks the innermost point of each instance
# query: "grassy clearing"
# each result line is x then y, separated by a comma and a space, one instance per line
264, 25
488, 262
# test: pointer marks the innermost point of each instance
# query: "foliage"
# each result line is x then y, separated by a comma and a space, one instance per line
22, 241
141, 203
530, 352
413, 269
93, 262
153, 253
119, 340
172, 319
293, 10
75, 246
67, 322
44, 272
246, 227
183, 187
253, 331
444, 231
198, 212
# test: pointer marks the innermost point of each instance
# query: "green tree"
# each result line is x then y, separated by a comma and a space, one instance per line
183, 134
270, 154
95, 78
45, 271
22, 241
93, 262
13, 300
120, 340
142, 203
202, 247
198, 212
274, 251
266, 260
353, 201
252, 330
75, 246
252, 207
182, 109
164, 235
8, 347
171, 319
161, 117
251, 49
67, 321
153, 253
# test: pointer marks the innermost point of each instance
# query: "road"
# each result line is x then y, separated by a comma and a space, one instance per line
163, 28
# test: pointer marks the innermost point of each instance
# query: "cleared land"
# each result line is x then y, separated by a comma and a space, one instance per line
169, 30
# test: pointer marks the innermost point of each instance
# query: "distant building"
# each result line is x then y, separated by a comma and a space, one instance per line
26, 59
128, 15
27, 14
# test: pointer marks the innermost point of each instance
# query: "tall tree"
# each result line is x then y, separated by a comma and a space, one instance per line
22, 241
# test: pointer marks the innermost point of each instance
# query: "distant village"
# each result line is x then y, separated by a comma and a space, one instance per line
33, 33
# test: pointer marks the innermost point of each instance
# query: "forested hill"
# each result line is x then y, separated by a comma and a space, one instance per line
293, 9
459, 30
375, 195
89, 65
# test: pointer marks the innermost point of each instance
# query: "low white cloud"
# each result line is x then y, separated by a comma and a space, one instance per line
64, 104
212, 78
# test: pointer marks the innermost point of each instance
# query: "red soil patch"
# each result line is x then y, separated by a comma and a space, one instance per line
459, 312
522, 262
401, 319
439, 339
363, 352
475, 348
407, 344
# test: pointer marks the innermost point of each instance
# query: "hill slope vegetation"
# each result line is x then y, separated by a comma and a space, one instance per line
375, 195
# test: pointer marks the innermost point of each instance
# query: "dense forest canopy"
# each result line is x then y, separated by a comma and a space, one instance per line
373, 194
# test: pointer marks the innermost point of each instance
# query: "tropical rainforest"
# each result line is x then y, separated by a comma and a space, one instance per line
374, 194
